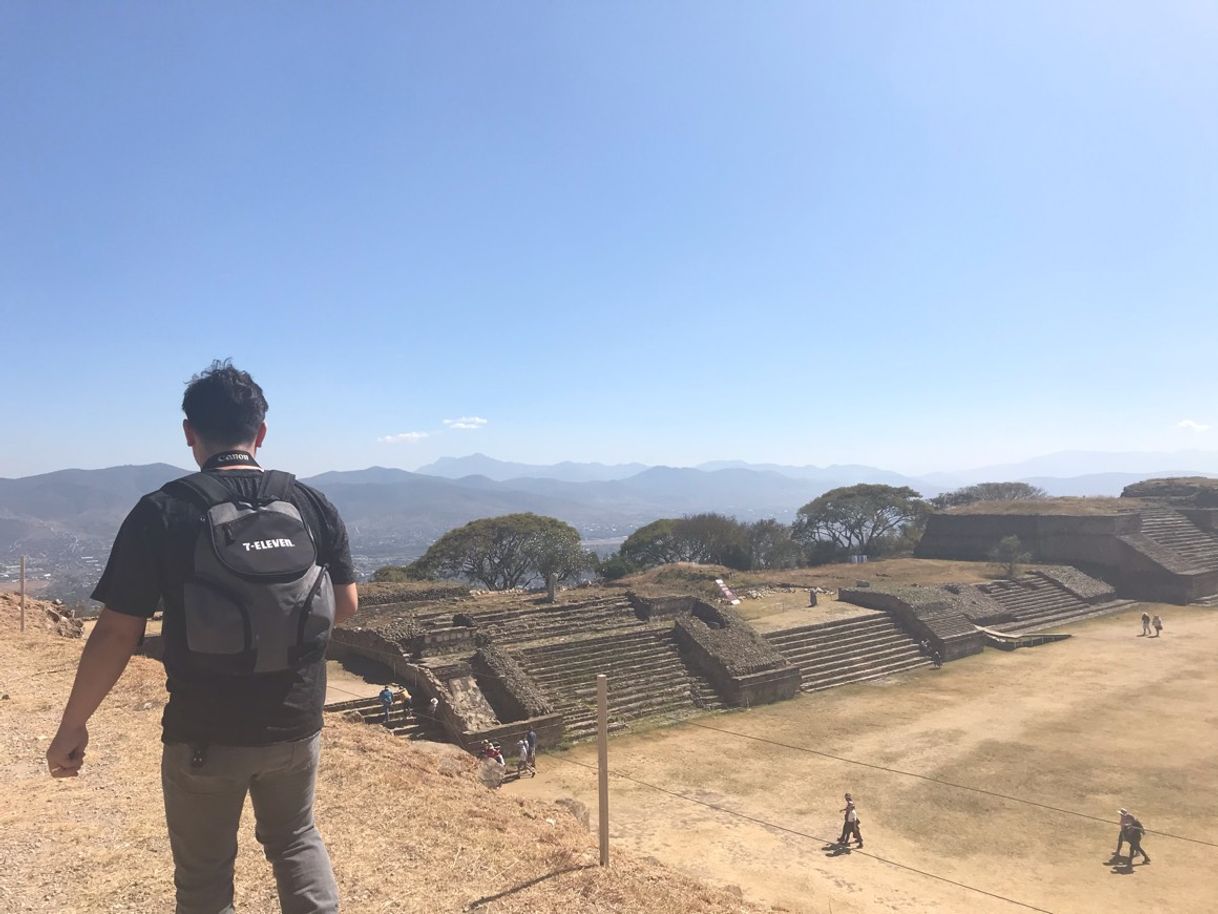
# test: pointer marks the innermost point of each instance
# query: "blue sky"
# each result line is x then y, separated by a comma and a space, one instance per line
919, 235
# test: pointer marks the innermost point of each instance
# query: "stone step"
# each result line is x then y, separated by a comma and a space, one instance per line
623, 693
829, 664
829, 629
817, 648
623, 653
565, 624
892, 670
608, 665
637, 706
589, 645
1087, 611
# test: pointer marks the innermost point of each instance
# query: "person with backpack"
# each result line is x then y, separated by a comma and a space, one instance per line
531, 739
1131, 832
252, 570
386, 698
1157, 622
1145, 625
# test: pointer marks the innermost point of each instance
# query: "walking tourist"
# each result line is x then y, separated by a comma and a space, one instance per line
1158, 624
386, 698
1131, 832
850, 824
432, 706
937, 659
531, 736
522, 759
1145, 624
245, 690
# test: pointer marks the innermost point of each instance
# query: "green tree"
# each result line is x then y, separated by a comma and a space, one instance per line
771, 545
855, 519
702, 538
1010, 554
554, 552
714, 539
654, 544
504, 552
614, 566
988, 491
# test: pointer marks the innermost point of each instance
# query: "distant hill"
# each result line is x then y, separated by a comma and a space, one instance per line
1073, 464
501, 470
85, 500
66, 520
834, 473
1109, 484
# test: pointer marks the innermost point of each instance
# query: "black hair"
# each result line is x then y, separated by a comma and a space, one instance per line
224, 405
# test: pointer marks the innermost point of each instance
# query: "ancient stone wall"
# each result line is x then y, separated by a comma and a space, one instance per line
1069, 540
510, 690
1108, 546
743, 667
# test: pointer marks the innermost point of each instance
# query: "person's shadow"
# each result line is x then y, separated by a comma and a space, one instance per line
1121, 866
835, 849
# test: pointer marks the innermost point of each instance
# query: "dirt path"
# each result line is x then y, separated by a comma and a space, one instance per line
1104, 720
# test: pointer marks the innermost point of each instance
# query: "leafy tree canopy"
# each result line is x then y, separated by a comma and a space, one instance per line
505, 552
703, 538
1009, 553
771, 545
988, 491
856, 518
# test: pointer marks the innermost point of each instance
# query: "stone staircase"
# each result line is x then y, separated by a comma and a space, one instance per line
647, 678
857, 649
403, 721
1174, 531
1038, 602
521, 625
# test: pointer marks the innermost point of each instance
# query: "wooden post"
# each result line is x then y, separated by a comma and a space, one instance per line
602, 753
23, 593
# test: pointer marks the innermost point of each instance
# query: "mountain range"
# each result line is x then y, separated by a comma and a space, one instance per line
67, 519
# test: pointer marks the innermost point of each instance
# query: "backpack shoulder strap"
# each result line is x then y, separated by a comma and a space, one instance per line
275, 485
200, 488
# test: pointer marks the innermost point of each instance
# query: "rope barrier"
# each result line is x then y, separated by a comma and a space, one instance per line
793, 831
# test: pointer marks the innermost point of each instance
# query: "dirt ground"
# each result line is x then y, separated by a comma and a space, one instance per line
1103, 720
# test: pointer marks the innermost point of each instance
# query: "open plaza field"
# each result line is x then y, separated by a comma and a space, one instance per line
1103, 720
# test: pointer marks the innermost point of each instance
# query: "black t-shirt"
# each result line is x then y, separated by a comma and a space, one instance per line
152, 558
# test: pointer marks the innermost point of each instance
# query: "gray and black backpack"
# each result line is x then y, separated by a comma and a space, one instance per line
258, 602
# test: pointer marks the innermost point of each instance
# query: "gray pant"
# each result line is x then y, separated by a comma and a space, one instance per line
203, 809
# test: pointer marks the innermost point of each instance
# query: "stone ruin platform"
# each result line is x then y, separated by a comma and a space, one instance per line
1157, 542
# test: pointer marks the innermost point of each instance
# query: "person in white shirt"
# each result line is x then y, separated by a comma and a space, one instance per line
522, 759
850, 825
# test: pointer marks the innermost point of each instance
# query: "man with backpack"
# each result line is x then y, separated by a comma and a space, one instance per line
252, 570
1131, 832
386, 699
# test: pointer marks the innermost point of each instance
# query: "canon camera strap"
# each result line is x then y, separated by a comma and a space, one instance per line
231, 459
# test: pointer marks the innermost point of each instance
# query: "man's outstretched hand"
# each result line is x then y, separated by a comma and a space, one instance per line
67, 751
114, 639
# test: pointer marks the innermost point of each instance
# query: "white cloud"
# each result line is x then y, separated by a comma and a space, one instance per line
403, 437
465, 422
1192, 425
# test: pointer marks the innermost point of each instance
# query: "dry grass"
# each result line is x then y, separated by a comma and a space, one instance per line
684, 577
1062, 506
408, 826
